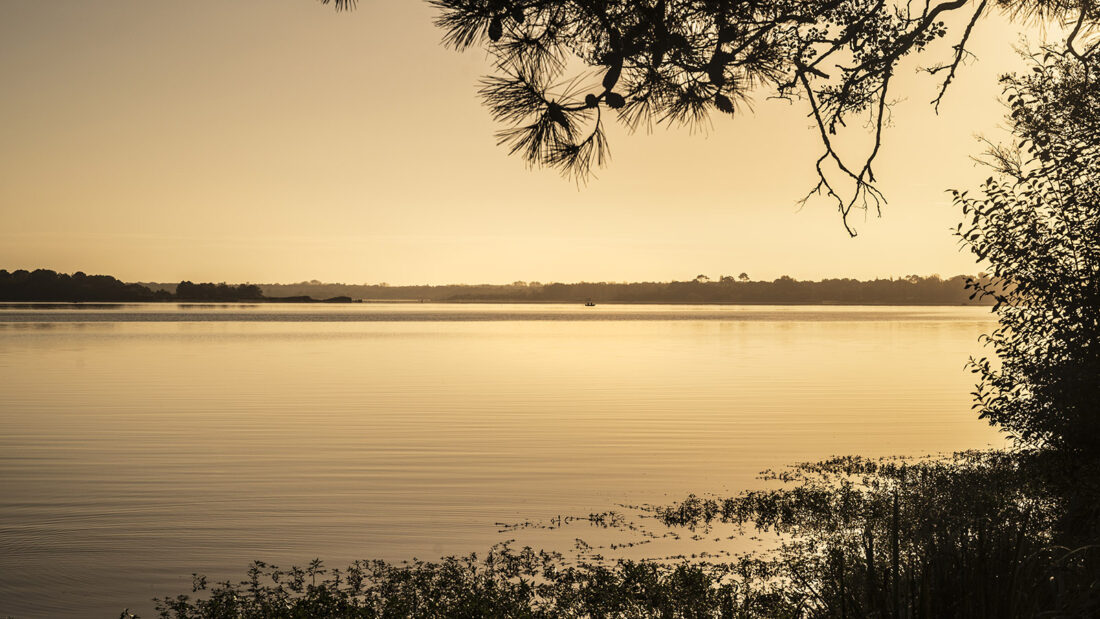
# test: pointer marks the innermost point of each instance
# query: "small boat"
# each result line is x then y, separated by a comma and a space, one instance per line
589, 303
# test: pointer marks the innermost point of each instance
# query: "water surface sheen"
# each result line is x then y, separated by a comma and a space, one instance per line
140, 443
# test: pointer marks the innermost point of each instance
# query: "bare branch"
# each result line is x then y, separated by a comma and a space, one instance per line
960, 53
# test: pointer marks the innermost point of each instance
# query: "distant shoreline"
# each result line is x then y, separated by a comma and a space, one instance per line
464, 302
911, 290
43, 285
716, 303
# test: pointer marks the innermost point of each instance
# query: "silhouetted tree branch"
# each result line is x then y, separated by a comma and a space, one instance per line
675, 61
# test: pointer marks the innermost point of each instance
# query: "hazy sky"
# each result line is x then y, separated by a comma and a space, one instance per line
278, 141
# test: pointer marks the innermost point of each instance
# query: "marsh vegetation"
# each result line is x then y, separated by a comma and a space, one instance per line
977, 534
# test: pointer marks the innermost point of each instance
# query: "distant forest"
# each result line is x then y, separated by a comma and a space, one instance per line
911, 290
46, 285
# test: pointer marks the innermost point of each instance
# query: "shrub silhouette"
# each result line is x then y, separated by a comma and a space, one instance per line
1037, 225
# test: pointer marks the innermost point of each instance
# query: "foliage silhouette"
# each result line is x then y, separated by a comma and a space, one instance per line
46, 285
977, 535
676, 61
1037, 225
505, 583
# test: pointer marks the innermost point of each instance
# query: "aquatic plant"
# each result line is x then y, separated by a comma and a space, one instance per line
979, 534
503, 583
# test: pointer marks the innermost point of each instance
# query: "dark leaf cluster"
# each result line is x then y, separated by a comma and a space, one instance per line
1037, 224
676, 61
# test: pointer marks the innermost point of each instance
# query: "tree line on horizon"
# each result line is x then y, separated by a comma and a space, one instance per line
910, 290
50, 286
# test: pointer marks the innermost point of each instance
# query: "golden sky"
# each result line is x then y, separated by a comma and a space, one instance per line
279, 141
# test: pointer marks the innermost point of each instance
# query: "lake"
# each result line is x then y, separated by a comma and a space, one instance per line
141, 443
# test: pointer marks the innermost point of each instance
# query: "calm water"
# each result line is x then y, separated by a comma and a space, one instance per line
139, 443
